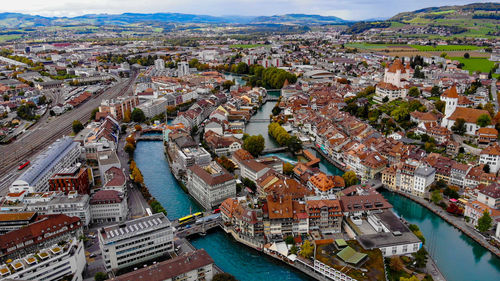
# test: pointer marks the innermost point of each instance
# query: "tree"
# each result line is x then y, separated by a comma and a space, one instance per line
224, 277
254, 144
138, 128
443, 55
435, 91
129, 148
77, 126
385, 99
466, 55
420, 258
287, 168
126, 116
137, 175
490, 108
484, 222
307, 249
350, 178
440, 106
436, 196
100, 276
94, 112
459, 127
396, 264
414, 92
138, 115
294, 144
412, 278
483, 120
289, 240
486, 168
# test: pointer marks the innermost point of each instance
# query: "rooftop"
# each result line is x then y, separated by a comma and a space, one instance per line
134, 227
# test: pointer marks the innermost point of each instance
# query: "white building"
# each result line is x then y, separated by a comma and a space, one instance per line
61, 154
394, 85
159, 64
182, 69
108, 206
52, 263
136, 241
210, 185
491, 156
154, 107
424, 177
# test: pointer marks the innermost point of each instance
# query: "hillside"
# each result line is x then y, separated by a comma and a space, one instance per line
473, 20
300, 19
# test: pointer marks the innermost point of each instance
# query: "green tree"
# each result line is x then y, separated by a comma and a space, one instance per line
483, 120
94, 112
100, 276
254, 144
420, 258
126, 116
350, 178
414, 92
307, 249
435, 91
26, 111
436, 196
396, 264
484, 222
138, 115
412, 278
77, 126
466, 55
440, 105
294, 144
459, 127
289, 240
224, 277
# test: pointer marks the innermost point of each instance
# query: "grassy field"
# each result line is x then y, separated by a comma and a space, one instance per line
445, 48
5, 38
443, 12
246, 46
475, 64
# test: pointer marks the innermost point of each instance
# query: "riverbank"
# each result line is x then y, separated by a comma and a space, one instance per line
454, 221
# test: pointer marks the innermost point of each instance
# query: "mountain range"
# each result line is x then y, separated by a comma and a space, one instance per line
17, 20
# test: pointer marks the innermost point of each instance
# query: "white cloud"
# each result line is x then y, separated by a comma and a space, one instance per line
346, 9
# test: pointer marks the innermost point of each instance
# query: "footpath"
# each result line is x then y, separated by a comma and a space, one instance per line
455, 221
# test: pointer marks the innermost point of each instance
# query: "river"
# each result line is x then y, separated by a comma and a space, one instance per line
458, 257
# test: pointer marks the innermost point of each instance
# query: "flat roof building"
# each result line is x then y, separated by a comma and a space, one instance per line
136, 241
62, 153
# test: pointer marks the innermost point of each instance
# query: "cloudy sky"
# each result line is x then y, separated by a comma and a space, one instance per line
346, 9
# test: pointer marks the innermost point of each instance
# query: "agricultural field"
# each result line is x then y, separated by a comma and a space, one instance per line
9, 37
475, 64
445, 48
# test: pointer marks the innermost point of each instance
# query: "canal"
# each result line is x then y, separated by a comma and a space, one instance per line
458, 257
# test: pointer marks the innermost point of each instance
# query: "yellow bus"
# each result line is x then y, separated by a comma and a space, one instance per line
190, 218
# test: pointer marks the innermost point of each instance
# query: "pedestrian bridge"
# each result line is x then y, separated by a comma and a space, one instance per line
255, 120
150, 138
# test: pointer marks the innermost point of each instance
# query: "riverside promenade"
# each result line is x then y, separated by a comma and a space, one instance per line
455, 221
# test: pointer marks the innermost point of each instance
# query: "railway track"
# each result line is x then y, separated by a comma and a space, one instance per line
12, 155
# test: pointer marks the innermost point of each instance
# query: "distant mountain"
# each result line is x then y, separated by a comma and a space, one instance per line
299, 19
16, 20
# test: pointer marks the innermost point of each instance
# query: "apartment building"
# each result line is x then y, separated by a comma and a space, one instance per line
491, 156
71, 179
117, 107
108, 206
210, 185
135, 241
51, 263
13, 221
324, 215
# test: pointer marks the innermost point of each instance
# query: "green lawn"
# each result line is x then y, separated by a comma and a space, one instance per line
475, 64
446, 48
444, 12
9, 37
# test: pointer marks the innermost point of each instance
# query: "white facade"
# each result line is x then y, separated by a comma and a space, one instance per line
159, 64
111, 212
182, 69
135, 241
398, 250
424, 177
69, 260
492, 160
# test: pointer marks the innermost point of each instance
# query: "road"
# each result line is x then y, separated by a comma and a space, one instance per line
48, 129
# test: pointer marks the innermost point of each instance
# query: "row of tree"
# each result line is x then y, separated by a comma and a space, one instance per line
270, 78
283, 138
